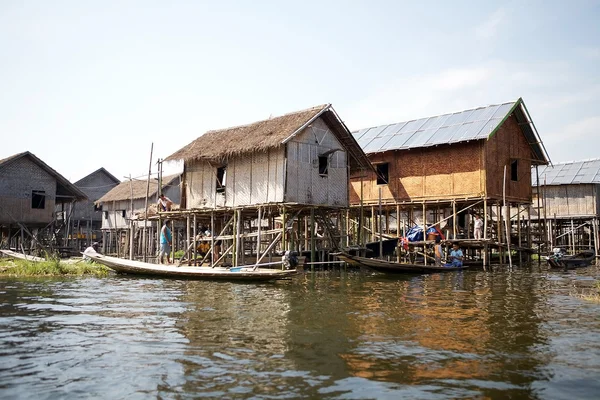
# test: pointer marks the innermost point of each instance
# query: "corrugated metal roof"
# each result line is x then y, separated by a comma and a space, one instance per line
475, 124
568, 173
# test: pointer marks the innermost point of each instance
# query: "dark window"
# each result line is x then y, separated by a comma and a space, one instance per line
38, 199
323, 165
383, 176
106, 215
514, 170
124, 213
221, 178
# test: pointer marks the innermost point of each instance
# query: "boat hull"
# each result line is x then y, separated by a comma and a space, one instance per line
21, 256
124, 266
580, 260
389, 267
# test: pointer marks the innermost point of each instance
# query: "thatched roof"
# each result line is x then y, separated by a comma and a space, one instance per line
270, 133
123, 190
258, 136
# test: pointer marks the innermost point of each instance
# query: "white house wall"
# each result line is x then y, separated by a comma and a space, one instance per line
304, 184
250, 179
565, 201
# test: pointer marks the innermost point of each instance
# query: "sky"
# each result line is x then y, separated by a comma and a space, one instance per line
85, 84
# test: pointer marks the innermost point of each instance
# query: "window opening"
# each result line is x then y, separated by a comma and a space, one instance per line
383, 176
221, 179
514, 170
323, 165
38, 199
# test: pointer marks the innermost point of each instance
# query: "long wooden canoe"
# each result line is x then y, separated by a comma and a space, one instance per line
393, 267
247, 273
21, 256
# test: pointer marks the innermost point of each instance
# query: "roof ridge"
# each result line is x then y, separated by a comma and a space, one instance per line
439, 115
315, 108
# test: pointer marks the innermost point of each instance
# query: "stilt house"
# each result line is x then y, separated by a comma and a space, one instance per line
272, 173
569, 198
30, 191
124, 208
439, 170
83, 217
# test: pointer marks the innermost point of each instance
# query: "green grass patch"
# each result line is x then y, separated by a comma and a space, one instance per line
52, 267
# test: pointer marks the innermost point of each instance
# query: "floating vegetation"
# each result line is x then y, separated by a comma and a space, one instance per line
52, 267
591, 294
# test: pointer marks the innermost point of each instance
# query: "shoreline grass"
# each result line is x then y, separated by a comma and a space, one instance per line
52, 267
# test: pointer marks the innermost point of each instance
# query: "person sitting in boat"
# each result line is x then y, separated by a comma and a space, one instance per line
438, 251
92, 249
456, 256
165, 243
164, 203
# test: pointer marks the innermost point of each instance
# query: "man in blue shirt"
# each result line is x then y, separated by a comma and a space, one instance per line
165, 243
456, 256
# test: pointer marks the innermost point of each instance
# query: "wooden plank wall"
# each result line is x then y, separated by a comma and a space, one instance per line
255, 178
570, 201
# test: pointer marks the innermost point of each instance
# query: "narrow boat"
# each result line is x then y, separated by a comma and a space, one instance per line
581, 259
393, 267
244, 273
21, 256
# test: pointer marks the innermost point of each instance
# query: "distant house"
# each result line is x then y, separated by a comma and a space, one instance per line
30, 191
298, 158
116, 205
569, 197
84, 218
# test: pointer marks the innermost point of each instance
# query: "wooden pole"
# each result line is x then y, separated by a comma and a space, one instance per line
259, 233
195, 239
380, 228
130, 219
595, 231
454, 232
312, 239
283, 230
361, 214
485, 234
506, 219
145, 255
424, 232
499, 231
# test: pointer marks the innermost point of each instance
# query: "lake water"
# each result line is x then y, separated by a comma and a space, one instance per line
339, 335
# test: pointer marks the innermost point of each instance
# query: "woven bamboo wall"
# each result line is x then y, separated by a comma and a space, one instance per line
441, 172
571, 201
304, 184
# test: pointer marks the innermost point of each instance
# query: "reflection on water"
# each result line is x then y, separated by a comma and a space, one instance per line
476, 334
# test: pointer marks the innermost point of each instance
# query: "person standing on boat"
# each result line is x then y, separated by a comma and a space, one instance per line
165, 243
478, 227
456, 256
438, 251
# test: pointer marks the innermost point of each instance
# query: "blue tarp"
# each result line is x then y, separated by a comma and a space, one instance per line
415, 234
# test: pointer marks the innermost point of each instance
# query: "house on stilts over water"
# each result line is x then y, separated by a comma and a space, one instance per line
31, 192
129, 215
569, 197
83, 218
440, 171
268, 187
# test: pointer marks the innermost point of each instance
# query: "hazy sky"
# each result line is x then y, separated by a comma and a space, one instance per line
85, 84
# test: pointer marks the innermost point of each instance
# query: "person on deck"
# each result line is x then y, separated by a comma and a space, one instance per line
164, 203
438, 252
165, 243
456, 256
478, 227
